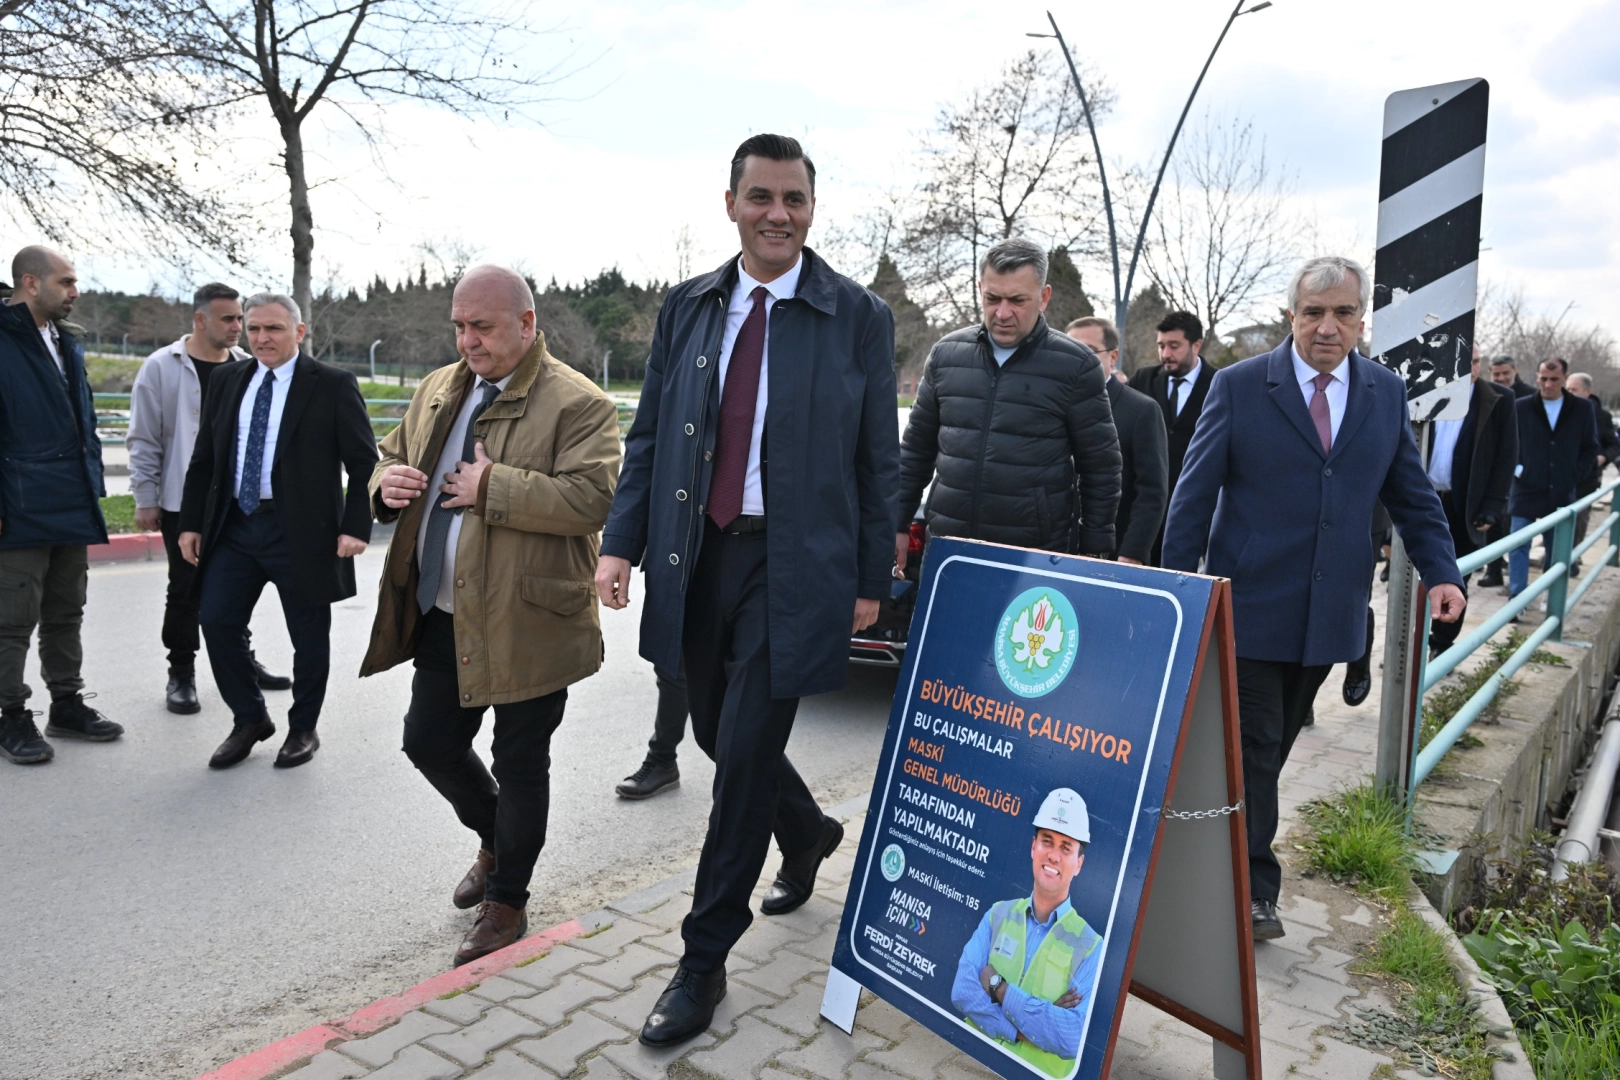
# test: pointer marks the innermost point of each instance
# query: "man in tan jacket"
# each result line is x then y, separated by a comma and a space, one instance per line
488, 581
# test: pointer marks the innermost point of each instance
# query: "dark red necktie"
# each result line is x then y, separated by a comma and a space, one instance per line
737, 401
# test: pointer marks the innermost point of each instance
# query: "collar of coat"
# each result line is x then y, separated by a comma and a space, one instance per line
817, 285
511, 401
1360, 383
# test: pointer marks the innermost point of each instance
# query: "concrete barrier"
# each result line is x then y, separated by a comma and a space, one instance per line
1485, 801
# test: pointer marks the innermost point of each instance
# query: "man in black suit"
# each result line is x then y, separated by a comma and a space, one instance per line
1558, 446
1505, 375
1580, 384
1179, 382
1144, 491
1471, 463
264, 502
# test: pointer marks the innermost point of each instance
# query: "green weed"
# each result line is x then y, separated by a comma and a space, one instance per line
1359, 836
119, 512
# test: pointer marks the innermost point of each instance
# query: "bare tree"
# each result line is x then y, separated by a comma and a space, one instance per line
355, 56
97, 110
1013, 159
1222, 241
1506, 326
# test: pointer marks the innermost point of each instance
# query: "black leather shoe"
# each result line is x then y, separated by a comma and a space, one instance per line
266, 680
649, 780
1491, 580
71, 718
299, 748
797, 879
20, 741
685, 1008
1267, 923
239, 743
181, 696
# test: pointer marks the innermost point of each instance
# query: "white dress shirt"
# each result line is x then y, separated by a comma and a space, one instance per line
742, 302
1184, 391
283, 376
1553, 407
1002, 353
1443, 452
448, 459
48, 332
1338, 391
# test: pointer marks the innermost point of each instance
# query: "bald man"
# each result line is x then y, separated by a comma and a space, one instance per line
50, 485
499, 478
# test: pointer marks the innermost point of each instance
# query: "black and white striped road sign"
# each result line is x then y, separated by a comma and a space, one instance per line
1430, 187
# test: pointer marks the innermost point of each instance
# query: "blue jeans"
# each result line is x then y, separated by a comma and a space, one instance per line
1519, 557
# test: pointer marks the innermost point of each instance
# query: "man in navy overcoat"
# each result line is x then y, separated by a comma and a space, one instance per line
1292, 450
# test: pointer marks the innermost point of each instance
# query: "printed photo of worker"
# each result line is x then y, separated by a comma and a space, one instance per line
1026, 975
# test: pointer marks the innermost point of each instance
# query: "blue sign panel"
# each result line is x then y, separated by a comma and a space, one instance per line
1002, 868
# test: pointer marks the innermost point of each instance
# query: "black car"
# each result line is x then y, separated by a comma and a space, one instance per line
883, 644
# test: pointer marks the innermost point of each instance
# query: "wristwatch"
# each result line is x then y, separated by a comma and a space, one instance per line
996, 982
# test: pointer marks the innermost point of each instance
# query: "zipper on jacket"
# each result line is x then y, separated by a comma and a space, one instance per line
984, 436
697, 452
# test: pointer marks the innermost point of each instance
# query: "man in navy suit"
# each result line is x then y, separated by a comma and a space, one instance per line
1558, 445
1292, 451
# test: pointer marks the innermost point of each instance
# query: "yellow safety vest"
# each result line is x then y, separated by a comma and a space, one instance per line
1051, 970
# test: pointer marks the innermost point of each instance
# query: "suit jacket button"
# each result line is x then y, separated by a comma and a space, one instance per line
674, 559
1327, 472
680, 496
690, 429
708, 455
703, 361
1319, 575
1324, 524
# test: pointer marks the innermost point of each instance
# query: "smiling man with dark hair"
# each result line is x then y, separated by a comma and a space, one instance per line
757, 494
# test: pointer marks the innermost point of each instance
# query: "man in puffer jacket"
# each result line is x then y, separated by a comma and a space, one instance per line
1010, 414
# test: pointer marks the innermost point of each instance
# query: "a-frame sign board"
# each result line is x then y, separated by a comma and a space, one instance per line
1049, 702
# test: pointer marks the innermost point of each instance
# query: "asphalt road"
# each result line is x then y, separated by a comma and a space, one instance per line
160, 918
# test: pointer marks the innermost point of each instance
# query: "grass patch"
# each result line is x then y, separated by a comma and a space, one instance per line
107, 375
119, 511
454, 993
1359, 837
532, 959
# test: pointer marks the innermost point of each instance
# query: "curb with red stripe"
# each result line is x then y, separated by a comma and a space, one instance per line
279, 1055
121, 547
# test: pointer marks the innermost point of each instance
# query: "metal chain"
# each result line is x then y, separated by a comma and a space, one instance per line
1201, 815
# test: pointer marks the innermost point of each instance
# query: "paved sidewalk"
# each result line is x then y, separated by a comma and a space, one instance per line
575, 1011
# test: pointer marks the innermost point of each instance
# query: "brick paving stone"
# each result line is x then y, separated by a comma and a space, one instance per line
623, 970
560, 1050
1283, 1024
509, 1066
416, 1063
1175, 1056
881, 1017
472, 1044
542, 974
600, 1068
755, 1043
669, 942
630, 1010
778, 975
611, 942
962, 1067
1340, 1060
830, 1053
552, 1007
667, 915
461, 1009
645, 1063
1329, 964
740, 999
1318, 995
496, 988
768, 935
379, 1049
329, 1065
916, 1056
801, 1012
819, 947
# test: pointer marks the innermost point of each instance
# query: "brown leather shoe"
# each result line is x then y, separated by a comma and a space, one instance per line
471, 890
497, 926
239, 743
299, 748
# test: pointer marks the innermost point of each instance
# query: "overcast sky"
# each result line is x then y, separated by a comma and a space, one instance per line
614, 175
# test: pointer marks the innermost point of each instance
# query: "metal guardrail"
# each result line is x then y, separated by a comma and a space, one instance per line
116, 420
1553, 584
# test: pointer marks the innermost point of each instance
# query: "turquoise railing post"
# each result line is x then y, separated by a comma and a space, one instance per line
1614, 531
1563, 541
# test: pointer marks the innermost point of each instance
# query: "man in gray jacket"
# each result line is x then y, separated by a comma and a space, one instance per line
163, 411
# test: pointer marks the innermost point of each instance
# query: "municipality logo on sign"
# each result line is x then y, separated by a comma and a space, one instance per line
894, 862
1036, 642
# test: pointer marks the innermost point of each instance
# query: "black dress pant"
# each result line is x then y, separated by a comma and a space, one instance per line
1443, 636
251, 552
669, 722
182, 635
1273, 700
744, 729
508, 810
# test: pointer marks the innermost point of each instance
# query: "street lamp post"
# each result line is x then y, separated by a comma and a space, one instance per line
1122, 295
374, 345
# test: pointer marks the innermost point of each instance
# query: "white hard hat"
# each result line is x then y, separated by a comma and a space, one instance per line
1064, 811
